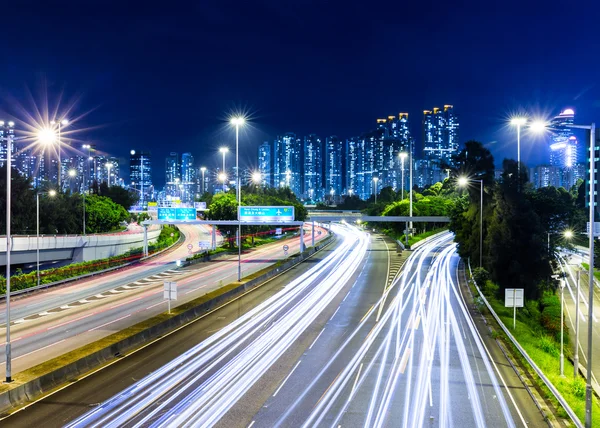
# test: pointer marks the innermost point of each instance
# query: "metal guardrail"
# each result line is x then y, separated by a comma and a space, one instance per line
539, 372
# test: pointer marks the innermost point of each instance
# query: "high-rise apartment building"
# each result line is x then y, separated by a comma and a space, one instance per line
172, 175
140, 175
440, 134
334, 149
7, 132
287, 155
265, 163
312, 168
188, 177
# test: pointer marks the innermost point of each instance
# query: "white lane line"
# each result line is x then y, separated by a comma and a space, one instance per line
110, 322
156, 304
317, 338
39, 349
355, 382
251, 423
336, 311
286, 378
195, 289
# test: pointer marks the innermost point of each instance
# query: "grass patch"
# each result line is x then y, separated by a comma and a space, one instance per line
536, 333
586, 266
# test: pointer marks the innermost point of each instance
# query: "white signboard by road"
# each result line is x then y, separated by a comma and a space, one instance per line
513, 298
170, 292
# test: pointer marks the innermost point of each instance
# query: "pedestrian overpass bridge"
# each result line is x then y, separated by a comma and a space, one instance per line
353, 216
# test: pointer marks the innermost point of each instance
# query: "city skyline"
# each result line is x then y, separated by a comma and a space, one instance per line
132, 100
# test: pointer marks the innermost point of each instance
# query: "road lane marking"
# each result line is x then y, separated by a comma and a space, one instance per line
317, 338
404, 360
286, 378
336, 311
110, 322
355, 382
251, 423
36, 350
156, 304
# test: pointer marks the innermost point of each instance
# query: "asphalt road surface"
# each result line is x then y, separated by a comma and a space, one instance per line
46, 325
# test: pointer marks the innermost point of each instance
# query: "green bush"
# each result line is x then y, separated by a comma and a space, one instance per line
533, 311
578, 387
550, 317
547, 345
481, 276
489, 289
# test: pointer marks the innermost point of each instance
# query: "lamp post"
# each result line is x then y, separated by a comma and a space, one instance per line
375, 180
518, 122
464, 181
64, 122
8, 131
224, 150
562, 324
257, 178
410, 191
237, 122
402, 157
202, 170
540, 126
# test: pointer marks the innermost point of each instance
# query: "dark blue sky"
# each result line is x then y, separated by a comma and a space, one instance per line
164, 77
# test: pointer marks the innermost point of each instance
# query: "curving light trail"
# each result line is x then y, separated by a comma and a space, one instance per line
200, 386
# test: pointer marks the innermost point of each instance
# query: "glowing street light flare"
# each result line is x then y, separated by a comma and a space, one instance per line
72, 173
518, 121
222, 177
46, 136
538, 126
256, 177
463, 181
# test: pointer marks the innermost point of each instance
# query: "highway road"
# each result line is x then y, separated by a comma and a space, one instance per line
46, 325
344, 343
570, 264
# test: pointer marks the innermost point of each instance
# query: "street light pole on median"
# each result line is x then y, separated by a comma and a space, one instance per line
237, 122
8, 132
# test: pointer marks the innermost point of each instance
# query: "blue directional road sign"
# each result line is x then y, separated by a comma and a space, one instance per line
172, 214
265, 214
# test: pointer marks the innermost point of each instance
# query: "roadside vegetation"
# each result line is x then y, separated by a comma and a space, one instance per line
538, 332
22, 281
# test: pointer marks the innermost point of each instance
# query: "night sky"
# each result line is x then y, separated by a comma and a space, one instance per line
166, 77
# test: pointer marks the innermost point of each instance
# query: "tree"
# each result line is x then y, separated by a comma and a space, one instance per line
102, 214
119, 195
22, 201
515, 244
224, 207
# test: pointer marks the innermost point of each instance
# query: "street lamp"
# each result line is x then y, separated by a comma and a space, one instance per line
8, 131
375, 180
63, 122
223, 150
51, 193
256, 177
203, 170
237, 122
540, 126
403, 156
518, 122
463, 182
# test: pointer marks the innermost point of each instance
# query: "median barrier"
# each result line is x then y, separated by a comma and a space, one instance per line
42, 379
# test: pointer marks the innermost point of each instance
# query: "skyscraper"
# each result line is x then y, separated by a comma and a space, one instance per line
287, 154
440, 134
140, 174
188, 177
172, 175
265, 163
312, 168
6, 130
333, 165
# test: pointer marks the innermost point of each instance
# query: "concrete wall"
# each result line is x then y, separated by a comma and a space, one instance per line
77, 248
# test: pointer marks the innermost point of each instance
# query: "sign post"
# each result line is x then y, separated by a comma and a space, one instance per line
170, 292
513, 298
265, 214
